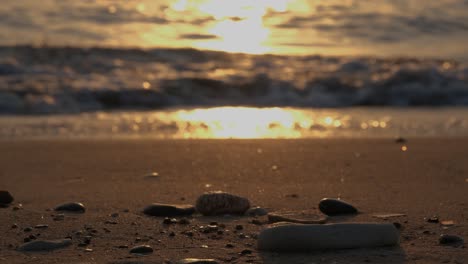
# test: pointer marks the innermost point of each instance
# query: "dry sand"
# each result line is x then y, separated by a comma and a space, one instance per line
375, 175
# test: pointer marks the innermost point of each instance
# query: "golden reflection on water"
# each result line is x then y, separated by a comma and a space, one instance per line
245, 122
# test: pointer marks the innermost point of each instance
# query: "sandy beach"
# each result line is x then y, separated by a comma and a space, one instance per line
429, 179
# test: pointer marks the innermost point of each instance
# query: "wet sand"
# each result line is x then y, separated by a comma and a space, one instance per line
375, 175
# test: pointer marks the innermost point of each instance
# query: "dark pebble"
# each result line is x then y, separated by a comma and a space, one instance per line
27, 229
143, 249
172, 234
229, 245
433, 219
5, 198
330, 206
71, 207
246, 252
397, 225
168, 210
239, 227
14, 226
450, 240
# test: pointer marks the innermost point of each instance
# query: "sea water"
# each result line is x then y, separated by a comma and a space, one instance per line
242, 69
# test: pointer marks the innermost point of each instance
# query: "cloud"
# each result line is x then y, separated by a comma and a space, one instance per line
198, 36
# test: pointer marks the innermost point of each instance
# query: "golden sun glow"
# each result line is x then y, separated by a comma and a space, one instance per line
239, 24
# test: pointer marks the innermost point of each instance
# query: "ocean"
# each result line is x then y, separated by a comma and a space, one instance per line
233, 69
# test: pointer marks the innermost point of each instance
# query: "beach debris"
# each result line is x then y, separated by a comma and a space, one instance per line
256, 211
388, 215
219, 203
330, 206
152, 175
301, 217
197, 261
142, 249
45, 245
71, 207
450, 240
5, 198
168, 210
297, 237
447, 223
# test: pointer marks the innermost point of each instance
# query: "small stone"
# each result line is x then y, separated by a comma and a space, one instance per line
246, 252
450, 240
219, 203
88, 250
71, 207
152, 175
13, 226
41, 226
447, 223
172, 234
239, 227
45, 245
388, 215
256, 211
114, 215
197, 261
331, 206
142, 249
5, 198
433, 219
229, 245
168, 210
27, 229
59, 217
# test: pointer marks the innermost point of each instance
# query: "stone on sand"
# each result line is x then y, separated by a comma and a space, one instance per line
71, 207
299, 217
219, 203
45, 245
450, 240
167, 210
5, 198
197, 261
297, 237
142, 249
330, 206
256, 211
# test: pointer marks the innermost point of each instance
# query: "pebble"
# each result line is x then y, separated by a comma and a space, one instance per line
400, 140
142, 249
45, 245
41, 226
219, 203
450, 240
153, 175
71, 207
299, 217
433, 219
256, 211
330, 206
5, 198
197, 261
297, 237
168, 210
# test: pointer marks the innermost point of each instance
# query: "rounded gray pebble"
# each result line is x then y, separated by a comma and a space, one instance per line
71, 207
142, 249
45, 245
219, 203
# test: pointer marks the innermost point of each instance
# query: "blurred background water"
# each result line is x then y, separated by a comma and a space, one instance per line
222, 68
